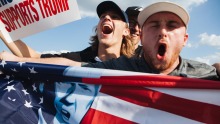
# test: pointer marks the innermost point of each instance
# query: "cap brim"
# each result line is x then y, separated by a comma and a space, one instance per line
133, 10
111, 6
163, 7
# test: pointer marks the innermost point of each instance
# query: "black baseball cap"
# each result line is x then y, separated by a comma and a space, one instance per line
111, 6
133, 10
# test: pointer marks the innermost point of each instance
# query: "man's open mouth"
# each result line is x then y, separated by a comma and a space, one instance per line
162, 50
135, 35
107, 29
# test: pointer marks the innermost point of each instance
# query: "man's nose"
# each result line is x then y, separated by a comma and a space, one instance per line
107, 17
163, 32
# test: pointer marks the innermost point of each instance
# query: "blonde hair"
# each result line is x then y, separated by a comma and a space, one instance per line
127, 47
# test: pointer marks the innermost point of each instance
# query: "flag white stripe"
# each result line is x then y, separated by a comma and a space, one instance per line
85, 72
201, 95
136, 113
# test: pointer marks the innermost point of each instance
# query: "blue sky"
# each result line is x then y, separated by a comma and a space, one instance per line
203, 29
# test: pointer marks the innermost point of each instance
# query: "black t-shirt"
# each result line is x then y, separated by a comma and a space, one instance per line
86, 55
138, 51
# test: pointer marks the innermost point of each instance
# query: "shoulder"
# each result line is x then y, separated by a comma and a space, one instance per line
88, 49
195, 65
198, 69
88, 54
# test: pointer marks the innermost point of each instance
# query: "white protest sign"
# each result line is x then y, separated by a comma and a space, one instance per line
22, 18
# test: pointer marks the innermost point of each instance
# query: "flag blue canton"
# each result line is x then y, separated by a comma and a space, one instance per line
27, 92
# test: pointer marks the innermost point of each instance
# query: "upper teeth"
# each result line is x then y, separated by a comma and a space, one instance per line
134, 35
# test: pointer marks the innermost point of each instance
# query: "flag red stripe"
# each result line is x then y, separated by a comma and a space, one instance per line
154, 81
97, 117
202, 112
159, 78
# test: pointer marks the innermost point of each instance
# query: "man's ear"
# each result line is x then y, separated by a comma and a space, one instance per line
126, 32
185, 39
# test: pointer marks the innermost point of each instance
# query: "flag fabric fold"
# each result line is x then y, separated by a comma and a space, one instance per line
43, 94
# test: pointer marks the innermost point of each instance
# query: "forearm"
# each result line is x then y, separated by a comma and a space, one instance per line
22, 50
6, 56
56, 61
19, 48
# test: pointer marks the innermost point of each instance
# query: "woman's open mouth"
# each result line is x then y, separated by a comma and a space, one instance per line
107, 29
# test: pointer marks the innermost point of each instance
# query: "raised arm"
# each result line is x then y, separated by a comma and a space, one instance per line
217, 66
19, 48
6, 56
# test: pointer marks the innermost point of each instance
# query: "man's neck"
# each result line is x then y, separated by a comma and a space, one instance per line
108, 53
166, 71
171, 68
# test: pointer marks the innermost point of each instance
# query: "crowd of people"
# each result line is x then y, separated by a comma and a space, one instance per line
161, 28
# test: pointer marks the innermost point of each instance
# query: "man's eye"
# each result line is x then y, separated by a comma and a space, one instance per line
133, 23
155, 25
102, 16
115, 17
172, 26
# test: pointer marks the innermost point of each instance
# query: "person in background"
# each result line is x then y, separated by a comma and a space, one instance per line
112, 39
134, 27
163, 35
217, 66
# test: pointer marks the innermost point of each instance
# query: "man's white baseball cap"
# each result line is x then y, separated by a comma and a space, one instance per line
163, 7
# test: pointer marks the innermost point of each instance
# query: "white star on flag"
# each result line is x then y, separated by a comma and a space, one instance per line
14, 70
20, 63
25, 92
10, 81
34, 87
7, 77
32, 70
9, 88
28, 104
41, 100
3, 63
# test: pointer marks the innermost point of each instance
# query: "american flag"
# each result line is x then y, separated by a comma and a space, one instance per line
42, 93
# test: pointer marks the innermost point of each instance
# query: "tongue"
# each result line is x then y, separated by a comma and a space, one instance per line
106, 29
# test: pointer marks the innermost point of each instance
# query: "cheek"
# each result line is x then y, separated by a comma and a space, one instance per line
99, 30
180, 40
147, 40
179, 35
